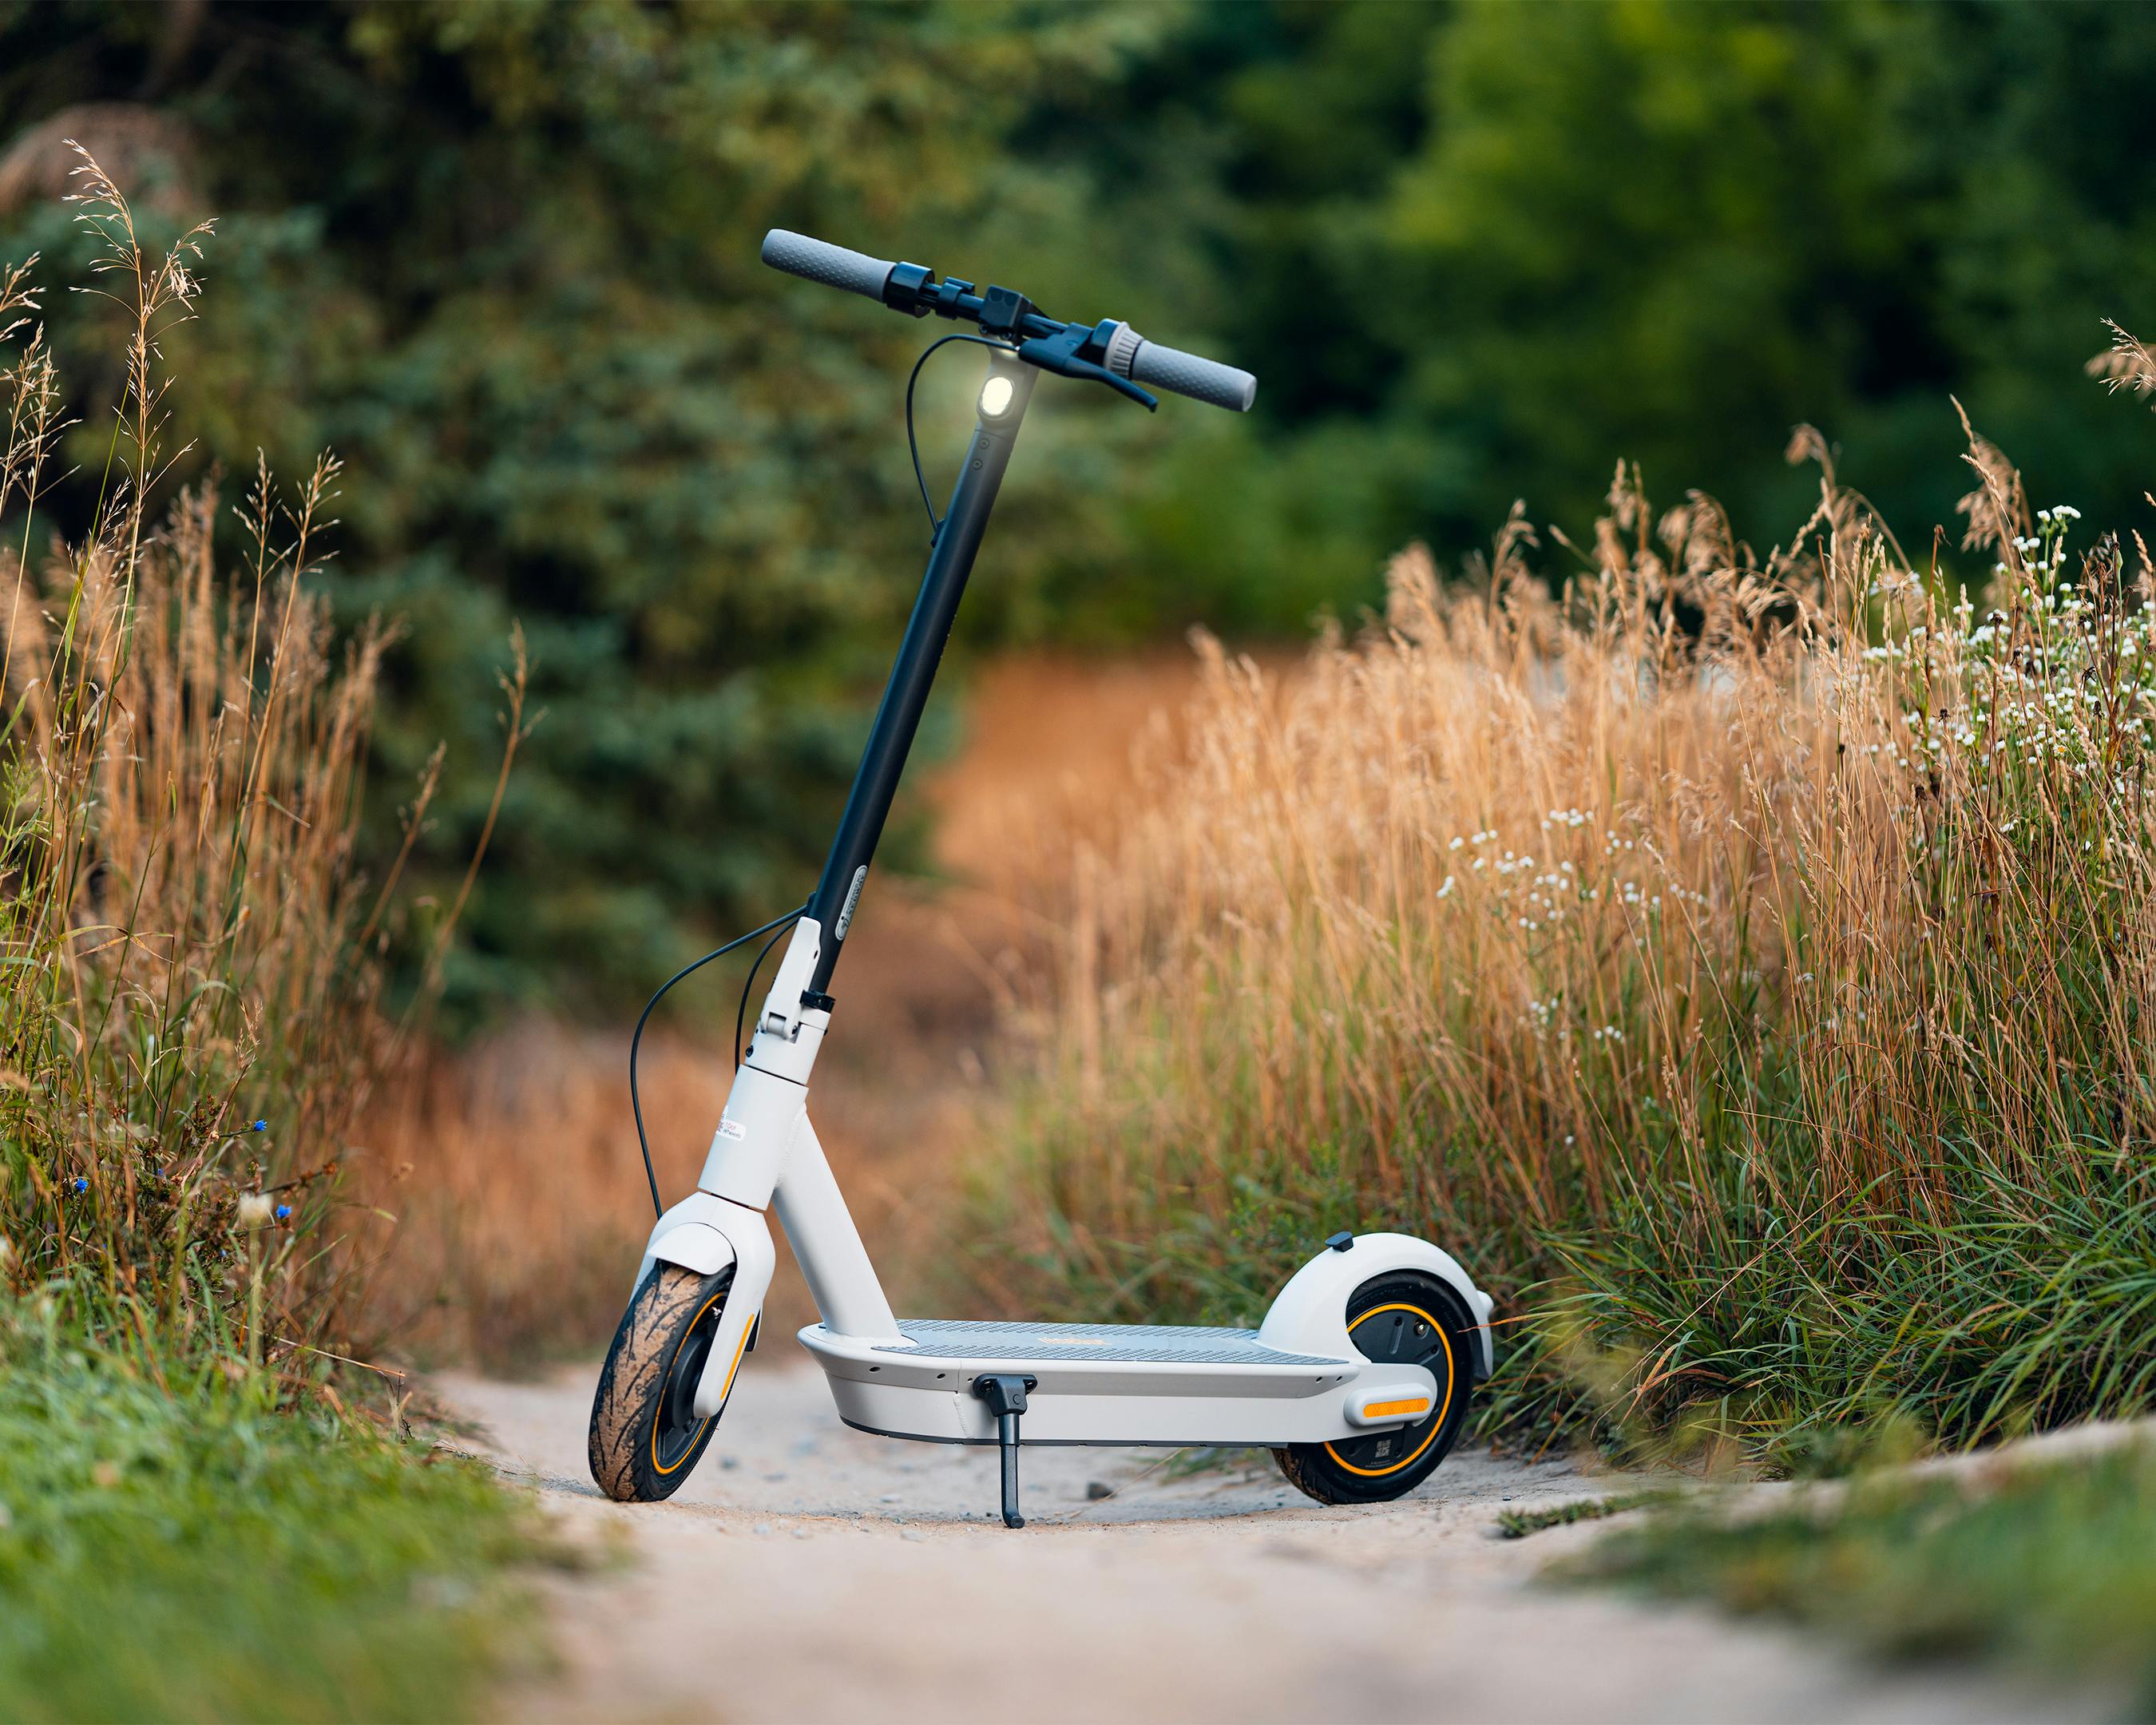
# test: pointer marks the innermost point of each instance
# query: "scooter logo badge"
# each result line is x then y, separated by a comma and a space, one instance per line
853, 897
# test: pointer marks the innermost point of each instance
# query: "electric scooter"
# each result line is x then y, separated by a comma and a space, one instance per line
1358, 1378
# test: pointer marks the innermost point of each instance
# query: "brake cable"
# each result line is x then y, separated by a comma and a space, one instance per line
748, 983
776, 926
779, 925
935, 525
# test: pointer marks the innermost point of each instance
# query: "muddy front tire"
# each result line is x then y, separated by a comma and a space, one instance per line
1402, 1317
645, 1437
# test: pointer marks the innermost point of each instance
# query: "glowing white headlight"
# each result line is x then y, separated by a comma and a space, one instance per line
995, 397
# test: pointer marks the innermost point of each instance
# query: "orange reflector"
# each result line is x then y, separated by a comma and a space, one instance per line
1379, 1410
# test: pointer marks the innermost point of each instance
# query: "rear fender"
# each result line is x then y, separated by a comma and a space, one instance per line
1310, 1314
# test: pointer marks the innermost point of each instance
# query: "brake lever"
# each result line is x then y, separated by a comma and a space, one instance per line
1058, 354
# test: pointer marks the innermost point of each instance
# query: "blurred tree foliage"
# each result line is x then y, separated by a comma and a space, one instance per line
503, 258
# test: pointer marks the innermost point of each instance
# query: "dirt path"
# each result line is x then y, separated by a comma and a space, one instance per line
810, 1572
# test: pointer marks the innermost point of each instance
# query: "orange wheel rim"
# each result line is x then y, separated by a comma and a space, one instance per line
1444, 1407
689, 1448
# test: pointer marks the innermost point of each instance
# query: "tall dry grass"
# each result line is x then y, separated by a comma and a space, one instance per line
1745, 963
191, 1030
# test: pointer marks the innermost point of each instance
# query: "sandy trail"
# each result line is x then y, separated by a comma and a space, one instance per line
808, 1572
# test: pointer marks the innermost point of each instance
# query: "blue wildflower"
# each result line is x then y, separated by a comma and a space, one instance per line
261, 1126
82, 1185
284, 1213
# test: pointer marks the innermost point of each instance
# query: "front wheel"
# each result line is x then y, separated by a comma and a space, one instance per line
1400, 1318
645, 1436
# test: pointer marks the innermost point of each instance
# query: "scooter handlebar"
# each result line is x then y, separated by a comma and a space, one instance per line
1127, 352
1190, 374
833, 265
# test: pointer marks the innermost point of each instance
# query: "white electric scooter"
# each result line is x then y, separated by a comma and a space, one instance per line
1358, 1378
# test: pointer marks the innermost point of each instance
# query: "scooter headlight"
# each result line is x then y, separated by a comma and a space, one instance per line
996, 397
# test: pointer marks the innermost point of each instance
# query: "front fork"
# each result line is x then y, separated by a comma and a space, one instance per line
765, 1151
704, 1234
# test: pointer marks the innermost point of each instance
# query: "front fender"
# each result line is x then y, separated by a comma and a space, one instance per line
694, 1245
691, 1234
706, 1234
1309, 1315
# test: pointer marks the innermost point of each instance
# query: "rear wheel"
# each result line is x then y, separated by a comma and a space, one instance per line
645, 1436
1403, 1318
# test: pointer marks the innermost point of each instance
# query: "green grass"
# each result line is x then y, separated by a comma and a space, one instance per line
2028, 1308
188, 1551
1518, 1524
2052, 1573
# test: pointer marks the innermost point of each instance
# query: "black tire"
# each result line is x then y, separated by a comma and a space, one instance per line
1401, 1316
645, 1438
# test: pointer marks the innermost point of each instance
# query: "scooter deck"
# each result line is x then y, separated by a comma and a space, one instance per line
1119, 1344
1089, 1383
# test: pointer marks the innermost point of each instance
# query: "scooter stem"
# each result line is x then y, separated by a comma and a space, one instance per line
898, 717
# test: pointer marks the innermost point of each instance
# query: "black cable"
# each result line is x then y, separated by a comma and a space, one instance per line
779, 925
935, 527
635, 1103
748, 983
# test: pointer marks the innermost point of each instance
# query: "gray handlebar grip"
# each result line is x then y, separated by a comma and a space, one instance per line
834, 265
1187, 374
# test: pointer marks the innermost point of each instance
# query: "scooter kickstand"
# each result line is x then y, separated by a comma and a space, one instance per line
1004, 1392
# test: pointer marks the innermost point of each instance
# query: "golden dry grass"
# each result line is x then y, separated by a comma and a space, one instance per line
1710, 950
190, 1018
